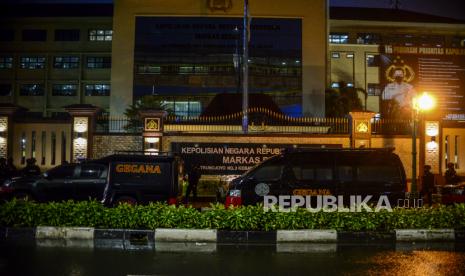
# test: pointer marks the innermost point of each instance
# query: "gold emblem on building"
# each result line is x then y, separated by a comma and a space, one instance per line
398, 64
152, 124
219, 5
362, 127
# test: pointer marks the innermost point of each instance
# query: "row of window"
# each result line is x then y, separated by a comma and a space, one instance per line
373, 89
38, 89
60, 35
218, 69
59, 62
372, 60
397, 39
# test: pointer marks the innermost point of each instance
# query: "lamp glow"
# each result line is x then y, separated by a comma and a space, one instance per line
425, 102
152, 140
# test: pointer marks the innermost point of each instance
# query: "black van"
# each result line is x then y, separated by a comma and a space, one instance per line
314, 172
141, 178
131, 177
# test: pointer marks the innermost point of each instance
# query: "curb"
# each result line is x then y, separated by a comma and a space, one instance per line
206, 240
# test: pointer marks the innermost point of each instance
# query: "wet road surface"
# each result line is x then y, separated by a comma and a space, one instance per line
196, 259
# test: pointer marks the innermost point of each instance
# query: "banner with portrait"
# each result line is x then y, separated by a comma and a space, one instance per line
407, 71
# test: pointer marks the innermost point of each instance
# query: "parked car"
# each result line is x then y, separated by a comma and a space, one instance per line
131, 178
69, 181
313, 172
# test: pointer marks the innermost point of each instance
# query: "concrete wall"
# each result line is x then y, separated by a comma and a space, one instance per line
314, 41
270, 139
107, 144
44, 148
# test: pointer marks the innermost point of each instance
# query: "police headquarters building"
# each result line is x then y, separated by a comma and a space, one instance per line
108, 56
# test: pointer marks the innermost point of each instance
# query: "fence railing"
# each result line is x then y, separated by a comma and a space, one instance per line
391, 127
106, 125
260, 121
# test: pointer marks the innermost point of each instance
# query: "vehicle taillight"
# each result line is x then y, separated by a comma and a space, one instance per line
233, 198
5, 190
172, 201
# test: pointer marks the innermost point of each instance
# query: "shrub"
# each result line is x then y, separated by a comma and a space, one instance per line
158, 215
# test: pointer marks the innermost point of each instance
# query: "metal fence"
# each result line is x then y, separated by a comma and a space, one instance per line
106, 125
391, 127
260, 120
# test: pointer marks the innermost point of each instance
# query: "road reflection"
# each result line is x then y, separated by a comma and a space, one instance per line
413, 263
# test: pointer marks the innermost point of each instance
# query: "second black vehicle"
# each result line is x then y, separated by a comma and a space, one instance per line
313, 172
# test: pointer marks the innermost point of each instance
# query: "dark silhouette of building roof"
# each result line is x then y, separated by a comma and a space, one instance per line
56, 10
226, 104
393, 15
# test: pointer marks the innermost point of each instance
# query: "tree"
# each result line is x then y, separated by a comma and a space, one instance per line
340, 101
143, 103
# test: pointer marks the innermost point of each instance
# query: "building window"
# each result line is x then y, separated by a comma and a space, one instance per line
98, 62
67, 35
335, 55
34, 35
339, 38
184, 108
368, 38
32, 89
100, 35
97, 90
374, 89
7, 35
66, 62
5, 89
32, 62
372, 60
6, 62
64, 90
350, 55
335, 85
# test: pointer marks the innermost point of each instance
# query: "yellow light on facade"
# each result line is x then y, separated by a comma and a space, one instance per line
425, 102
152, 140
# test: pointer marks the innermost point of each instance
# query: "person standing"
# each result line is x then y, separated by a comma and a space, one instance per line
427, 185
451, 175
397, 97
31, 168
193, 177
11, 168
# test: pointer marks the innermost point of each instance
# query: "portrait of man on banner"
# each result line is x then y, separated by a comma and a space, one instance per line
396, 99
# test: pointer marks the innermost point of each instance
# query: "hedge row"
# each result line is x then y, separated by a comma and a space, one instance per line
156, 215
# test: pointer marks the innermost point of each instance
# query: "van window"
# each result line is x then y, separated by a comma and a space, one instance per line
64, 171
345, 173
323, 174
91, 171
309, 172
378, 173
269, 172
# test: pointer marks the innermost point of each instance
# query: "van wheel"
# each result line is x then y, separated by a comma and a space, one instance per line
125, 200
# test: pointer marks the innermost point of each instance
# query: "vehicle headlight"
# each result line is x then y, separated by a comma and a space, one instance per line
7, 183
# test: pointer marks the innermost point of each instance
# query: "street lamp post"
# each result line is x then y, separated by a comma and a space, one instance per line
423, 103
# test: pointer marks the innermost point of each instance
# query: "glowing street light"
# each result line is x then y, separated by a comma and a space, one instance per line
424, 102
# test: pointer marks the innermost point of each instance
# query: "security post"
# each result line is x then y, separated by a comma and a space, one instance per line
153, 129
360, 129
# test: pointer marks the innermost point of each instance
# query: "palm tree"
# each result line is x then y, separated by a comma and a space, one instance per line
143, 103
340, 101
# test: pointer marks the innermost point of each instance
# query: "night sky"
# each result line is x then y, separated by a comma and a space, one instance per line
446, 8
